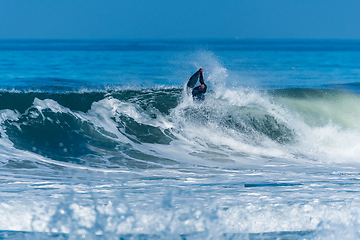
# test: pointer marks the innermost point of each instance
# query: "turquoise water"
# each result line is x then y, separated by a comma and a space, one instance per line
99, 140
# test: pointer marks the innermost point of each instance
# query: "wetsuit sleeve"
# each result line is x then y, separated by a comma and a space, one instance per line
201, 79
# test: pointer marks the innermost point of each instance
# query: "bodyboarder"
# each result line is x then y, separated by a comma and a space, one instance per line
198, 92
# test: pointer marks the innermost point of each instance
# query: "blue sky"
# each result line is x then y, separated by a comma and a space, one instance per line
182, 19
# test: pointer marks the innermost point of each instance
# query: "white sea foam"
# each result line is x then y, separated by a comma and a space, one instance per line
320, 220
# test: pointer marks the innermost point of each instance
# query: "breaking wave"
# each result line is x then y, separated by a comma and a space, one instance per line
155, 127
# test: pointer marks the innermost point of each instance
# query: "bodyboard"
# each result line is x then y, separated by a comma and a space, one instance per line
194, 78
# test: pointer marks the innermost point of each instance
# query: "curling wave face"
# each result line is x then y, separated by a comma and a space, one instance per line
155, 127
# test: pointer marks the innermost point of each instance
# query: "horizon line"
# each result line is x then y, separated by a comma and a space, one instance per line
179, 39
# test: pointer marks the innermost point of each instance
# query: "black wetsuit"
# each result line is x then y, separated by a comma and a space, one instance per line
198, 92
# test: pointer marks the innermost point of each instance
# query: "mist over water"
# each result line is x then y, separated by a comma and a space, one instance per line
114, 148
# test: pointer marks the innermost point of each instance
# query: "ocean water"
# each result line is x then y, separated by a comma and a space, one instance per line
99, 140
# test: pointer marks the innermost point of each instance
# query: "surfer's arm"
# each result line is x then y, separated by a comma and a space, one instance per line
201, 77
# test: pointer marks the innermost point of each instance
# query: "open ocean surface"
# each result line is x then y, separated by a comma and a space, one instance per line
98, 140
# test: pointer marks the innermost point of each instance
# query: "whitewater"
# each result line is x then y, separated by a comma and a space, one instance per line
100, 140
